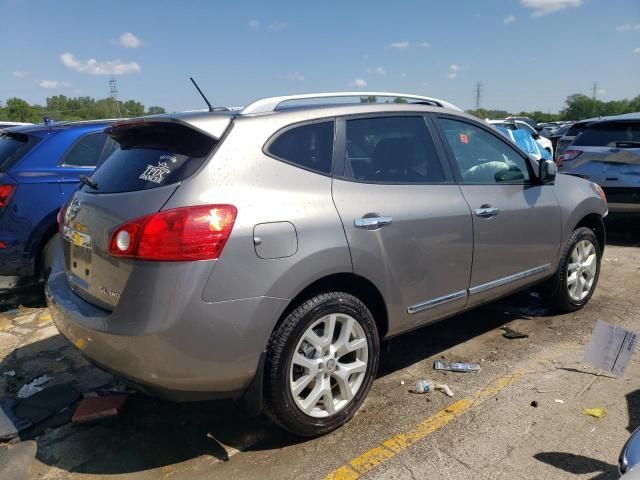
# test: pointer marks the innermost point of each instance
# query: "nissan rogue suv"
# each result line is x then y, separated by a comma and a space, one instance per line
265, 253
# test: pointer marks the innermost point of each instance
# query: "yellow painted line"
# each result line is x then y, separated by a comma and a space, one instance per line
390, 447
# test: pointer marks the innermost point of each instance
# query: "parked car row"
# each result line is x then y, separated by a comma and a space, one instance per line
263, 254
607, 151
40, 167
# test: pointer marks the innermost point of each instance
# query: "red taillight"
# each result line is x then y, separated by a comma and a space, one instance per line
5, 194
189, 233
568, 155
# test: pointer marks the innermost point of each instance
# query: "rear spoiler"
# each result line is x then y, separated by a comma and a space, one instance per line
213, 125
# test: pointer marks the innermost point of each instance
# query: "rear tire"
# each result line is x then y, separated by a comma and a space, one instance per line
48, 254
577, 276
321, 362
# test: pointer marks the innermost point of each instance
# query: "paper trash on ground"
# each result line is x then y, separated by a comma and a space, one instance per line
610, 348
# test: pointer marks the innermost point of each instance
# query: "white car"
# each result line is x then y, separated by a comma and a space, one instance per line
519, 125
6, 124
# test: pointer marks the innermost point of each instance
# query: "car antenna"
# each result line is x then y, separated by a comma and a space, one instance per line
47, 121
211, 109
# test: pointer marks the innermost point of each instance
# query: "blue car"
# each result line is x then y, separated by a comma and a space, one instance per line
40, 167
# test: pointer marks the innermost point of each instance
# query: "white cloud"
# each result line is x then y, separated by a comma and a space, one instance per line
277, 26
628, 27
294, 76
399, 45
424, 45
509, 19
94, 67
380, 71
425, 84
20, 73
254, 23
453, 71
545, 7
358, 82
54, 84
129, 40
637, 50
601, 91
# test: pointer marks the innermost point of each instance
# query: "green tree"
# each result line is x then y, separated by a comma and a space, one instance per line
155, 110
369, 99
18, 110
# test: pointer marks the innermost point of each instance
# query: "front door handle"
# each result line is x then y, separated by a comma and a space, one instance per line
487, 211
372, 223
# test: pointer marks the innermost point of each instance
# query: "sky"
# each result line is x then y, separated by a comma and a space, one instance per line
528, 54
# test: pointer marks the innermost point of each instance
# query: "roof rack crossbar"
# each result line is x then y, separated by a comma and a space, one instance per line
271, 104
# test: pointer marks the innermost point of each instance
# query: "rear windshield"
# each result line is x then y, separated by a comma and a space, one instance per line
576, 129
610, 134
13, 146
150, 156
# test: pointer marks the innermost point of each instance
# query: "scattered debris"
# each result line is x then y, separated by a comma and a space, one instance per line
10, 373
534, 404
595, 412
20, 414
456, 366
401, 382
96, 408
557, 400
422, 386
610, 348
444, 389
33, 387
512, 334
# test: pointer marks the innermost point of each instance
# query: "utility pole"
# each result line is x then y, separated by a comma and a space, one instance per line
478, 92
594, 94
113, 95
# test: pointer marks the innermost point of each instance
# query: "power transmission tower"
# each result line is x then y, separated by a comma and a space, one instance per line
113, 95
596, 87
478, 92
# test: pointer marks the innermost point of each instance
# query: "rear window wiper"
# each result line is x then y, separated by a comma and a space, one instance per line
88, 182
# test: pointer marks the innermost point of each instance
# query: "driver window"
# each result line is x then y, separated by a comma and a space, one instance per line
481, 157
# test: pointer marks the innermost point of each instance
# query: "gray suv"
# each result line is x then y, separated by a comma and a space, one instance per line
263, 254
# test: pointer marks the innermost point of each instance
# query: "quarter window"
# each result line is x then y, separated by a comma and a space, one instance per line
85, 152
482, 157
308, 146
391, 150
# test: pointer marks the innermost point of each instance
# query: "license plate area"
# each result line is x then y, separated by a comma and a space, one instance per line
80, 253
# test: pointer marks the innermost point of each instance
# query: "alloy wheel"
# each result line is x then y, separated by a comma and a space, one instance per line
581, 270
329, 365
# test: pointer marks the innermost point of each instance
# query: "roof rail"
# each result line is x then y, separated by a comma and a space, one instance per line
271, 104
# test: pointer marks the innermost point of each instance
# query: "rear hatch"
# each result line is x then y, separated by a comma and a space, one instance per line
607, 153
137, 179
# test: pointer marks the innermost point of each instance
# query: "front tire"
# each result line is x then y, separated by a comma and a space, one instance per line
577, 276
321, 362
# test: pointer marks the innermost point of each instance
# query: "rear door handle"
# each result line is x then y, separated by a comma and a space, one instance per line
371, 223
487, 211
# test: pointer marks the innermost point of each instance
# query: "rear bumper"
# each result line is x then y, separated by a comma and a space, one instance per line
14, 261
208, 350
623, 199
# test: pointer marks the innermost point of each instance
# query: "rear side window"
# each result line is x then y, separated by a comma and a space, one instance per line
307, 146
86, 151
149, 156
576, 129
391, 150
611, 134
14, 146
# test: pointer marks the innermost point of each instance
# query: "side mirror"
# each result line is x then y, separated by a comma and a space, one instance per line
630, 455
547, 171
536, 136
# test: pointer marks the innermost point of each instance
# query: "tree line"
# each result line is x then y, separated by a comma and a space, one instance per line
61, 107
576, 107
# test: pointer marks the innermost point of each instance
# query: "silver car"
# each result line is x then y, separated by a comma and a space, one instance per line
264, 254
608, 153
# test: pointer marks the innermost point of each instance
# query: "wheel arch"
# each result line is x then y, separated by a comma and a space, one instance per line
347, 282
595, 222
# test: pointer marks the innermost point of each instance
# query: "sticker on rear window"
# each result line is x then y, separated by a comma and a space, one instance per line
155, 173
